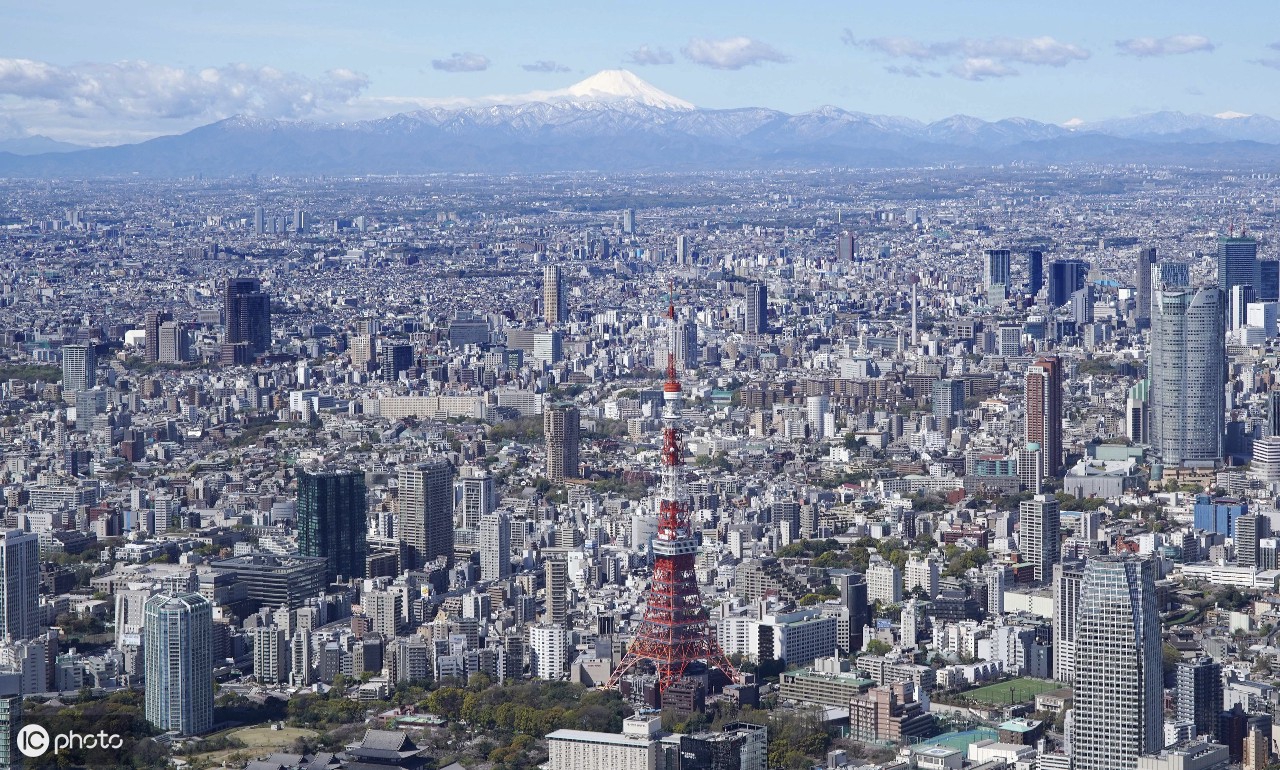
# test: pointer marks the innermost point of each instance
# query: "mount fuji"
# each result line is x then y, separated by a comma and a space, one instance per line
614, 121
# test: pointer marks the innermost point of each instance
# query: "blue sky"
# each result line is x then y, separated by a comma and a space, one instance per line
99, 72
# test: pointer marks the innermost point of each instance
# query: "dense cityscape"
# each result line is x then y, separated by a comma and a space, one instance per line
957, 468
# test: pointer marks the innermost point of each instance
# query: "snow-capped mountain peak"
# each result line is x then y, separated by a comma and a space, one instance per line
623, 85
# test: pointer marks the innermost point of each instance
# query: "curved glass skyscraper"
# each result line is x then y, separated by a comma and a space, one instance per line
178, 651
1186, 369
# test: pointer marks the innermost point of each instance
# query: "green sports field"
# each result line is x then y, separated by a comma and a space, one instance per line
1023, 691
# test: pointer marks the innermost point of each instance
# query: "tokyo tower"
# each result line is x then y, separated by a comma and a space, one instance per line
675, 631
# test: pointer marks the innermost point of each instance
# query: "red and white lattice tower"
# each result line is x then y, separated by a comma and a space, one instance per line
675, 631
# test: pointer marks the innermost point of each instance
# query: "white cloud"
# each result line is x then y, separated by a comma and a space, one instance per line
543, 65
1042, 50
896, 46
648, 57
981, 68
1172, 45
910, 71
731, 53
974, 58
462, 62
141, 90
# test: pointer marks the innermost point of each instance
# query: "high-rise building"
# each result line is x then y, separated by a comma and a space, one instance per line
270, 654
174, 346
683, 252
1067, 578
884, 583
1119, 679
151, 328
560, 429
757, 309
923, 574
1200, 694
259, 220
853, 595
10, 724
1044, 410
1268, 280
1237, 263
425, 501
1250, 529
686, 351
332, 521
301, 665
996, 267
1167, 274
948, 398
1135, 411
1035, 271
1272, 425
20, 592
996, 576
1081, 302
1264, 464
79, 368
1066, 277
846, 247
1039, 533
554, 308
495, 546
817, 409
1238, 300
1142, 280
549, 647
629, 221
178, 654
1256, 752
476, 498
394, 358
556, 577
246, 314
1186, 370
363, 351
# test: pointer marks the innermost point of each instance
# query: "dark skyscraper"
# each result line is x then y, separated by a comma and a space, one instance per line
1200, 694
393, 359
560, 430
853, 594
1044, 411
331, 520
995, 270
1237, 263
1035, 271
757, 309
848, 247
1268, 280
246, 313
151, 326
1066, 277
1142, 280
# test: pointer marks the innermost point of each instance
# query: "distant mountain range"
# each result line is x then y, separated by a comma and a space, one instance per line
614, 121
36, 145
